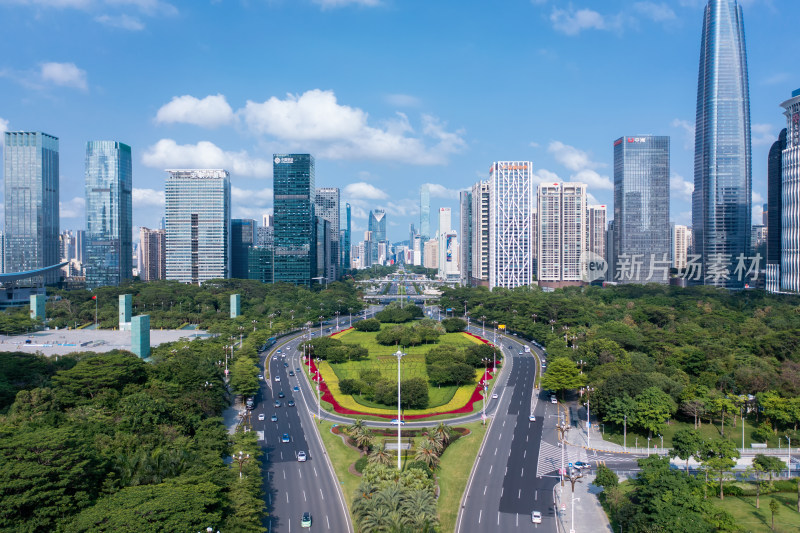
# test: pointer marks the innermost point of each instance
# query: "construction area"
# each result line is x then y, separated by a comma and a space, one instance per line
64, 341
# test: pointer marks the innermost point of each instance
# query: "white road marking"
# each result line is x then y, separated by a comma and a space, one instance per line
287, 497
498, 518
519, 494
304, 496
321, 493
480, 512
328, 521
490, 469
484, 489
535, 495
315, 471
524, 454
284, 474
495, 451
522, 472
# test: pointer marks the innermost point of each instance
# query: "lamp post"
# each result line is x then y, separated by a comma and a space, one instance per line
562, 427
789, 464
254, 325
494, 323
320, 325
483, 323
337, 320
241, 459
552, 325
581, 362
226, 360
319, 397
399, 356
241, 329
533, 316
588, 421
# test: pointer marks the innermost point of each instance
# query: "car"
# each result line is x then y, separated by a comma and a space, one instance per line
260, 417
277, 378
580, 465
278, 351
277, 403
494, 396
397, 422
553, 399
274, 418
291, 403
281, 395
532, 417
296, 388
297, 369
285, 364
291, 373
261, 376
520, 353
306, 520
536, 517
285, 437
301, 456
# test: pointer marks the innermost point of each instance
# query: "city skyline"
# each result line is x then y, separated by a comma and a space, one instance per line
432, 133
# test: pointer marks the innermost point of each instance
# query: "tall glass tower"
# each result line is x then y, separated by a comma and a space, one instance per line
31, 202
294, 190
198, 222
641, 208
721, 210
109, 213
347, 238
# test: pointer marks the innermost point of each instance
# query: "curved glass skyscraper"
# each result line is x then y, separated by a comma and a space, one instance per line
721, 216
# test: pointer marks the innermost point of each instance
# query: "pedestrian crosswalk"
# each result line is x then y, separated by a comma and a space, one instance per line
550, 457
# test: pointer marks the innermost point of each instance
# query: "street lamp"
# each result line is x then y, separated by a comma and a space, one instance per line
241, 459
588, 421
254, 325
581, 362
483, 322
399, 356
552, 325
562, 428
337, 320
494, 323
319, 397
241, 329
790, 453
485, 387
533, 316
320, 325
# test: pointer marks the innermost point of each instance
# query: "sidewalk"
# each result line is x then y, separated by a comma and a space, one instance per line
588, 514
233, 414
576, 436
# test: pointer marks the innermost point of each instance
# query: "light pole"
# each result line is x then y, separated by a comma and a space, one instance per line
254, 325
494, 323
241, 329
319, 397
337, 320
562, 427
483, 322
320, 325
552, 325
485, 388
226, 360
789, 464
399, 356
241, 459
588, 421
581, 362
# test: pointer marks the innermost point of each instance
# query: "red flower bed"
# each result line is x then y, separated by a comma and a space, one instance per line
327, 395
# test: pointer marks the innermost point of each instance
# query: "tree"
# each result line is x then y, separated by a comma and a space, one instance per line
369, 324
444, 432
620, 411
414, 394
719, 455
112, 370
773, 508
605, 477
769, 464
562, 374
380, 456
426, 452
653, 408
686, 443
454, 325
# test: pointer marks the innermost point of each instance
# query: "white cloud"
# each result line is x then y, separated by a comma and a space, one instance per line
572, 22
329, 4
688, 128
147, 198
365, 191
680, 189
592, 179
74, 208
3, 129
402, 208
655, 12
64, 75
210, 112
545, 176
166, 153
251, 203
315, 121
403, 100
124, 22
440, 191
762, 134
571, 157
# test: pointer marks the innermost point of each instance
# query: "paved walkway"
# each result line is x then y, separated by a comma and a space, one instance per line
588, 514
232, 414
576, 436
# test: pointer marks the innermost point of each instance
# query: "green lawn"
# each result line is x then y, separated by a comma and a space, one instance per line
436, 396
453, 473
750, 519
614, 433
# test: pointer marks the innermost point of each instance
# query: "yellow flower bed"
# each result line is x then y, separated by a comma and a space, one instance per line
459, 399
473, 339
341, 333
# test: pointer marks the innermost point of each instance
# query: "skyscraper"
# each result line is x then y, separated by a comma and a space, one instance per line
790, 215
774, 210
31, 202
424, 211
465, 249
681, 242
327, 207
109, 213
511, 224
641, 210
376, 225
347, 237
294, 190
596, 229
152, 245
480, 234
721, 202
445, 227
243, 237
198, 209
562, 218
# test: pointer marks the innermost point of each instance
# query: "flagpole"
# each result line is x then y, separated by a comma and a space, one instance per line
95, 312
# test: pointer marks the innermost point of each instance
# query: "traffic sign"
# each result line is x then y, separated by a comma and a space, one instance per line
570, 465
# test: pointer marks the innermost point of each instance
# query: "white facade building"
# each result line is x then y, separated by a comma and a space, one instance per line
562, 233
681, 241
596, 229
510, 224
790, 199
431, 254
480, 233
445, 227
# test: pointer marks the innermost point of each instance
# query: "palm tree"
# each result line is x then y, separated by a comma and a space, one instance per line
444, 432
356, 426
363, 439
427, 454
421, 505
375, 521
436, 442
379, 456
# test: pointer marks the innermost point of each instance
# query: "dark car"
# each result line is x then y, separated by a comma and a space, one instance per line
291, 373
281, 395
277, 403
291, 403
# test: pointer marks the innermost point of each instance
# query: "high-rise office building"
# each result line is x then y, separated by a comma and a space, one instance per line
790, 198
430, 254
721, 202
773, 210
445, 226
425, 211
327, 207
641, 210
265, 236
511, 224
377, 224
2, 252
243, 237
294, 190
153, 254
322, 250
198, 209
562, 233
31, 179
261, 263
480, 234
466, 225
596, 229
681, 243
267, 220
346, 244
109, 213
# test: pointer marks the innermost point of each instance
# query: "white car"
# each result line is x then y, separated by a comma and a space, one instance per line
301, 456
536, 517
494, 396
277, 378
553, 399
532, 418
397, 422
261, 417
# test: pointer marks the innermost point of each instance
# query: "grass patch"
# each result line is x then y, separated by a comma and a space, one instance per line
342, 456
454, 471
614, 433
748, 518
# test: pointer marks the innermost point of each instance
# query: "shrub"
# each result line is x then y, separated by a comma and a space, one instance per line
360, 464
394, 316
420, 465
454, 325
352, 386
367, 325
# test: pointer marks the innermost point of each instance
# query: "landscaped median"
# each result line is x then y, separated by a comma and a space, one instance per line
462, 402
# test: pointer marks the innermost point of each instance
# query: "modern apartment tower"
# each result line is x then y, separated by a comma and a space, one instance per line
511, 224
152, 247
721, 202
295, 191
445, 227
480, 234
243, 237
641, 210
596, 229
681, 243
327, 208
466, 225
31, 179
109, 214
773, 211
562, 233
198, 209
790, 216
347, 237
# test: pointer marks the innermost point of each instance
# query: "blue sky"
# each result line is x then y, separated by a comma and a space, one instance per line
387, 94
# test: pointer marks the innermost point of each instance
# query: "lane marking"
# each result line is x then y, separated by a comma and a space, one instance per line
484, 489
480, 513
519, 494
304, 496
